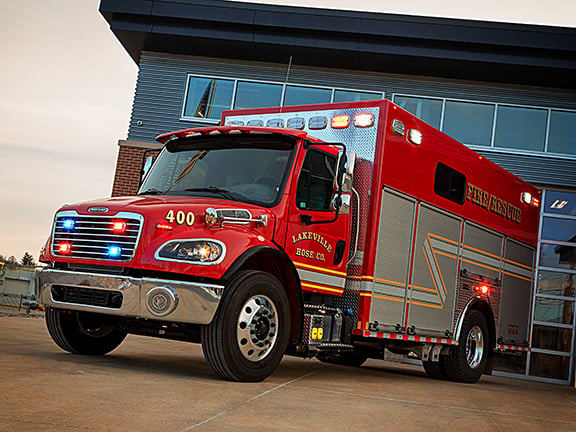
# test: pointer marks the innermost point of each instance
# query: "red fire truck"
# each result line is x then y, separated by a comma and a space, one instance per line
333, 231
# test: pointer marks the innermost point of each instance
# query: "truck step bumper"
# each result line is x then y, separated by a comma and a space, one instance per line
159, 299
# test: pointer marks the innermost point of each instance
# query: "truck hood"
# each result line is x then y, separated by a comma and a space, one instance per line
146, 204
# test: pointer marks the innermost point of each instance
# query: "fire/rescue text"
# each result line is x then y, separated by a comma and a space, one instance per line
493, 203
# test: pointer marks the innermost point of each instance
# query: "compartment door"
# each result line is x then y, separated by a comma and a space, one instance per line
391, 269
434, 273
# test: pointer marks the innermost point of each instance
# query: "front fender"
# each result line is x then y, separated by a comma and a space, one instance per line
272, 260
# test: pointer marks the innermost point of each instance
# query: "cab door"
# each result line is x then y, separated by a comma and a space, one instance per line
317, 241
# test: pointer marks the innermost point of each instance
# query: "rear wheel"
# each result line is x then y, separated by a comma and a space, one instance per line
467, 361
83, 332
435, 370
249, 334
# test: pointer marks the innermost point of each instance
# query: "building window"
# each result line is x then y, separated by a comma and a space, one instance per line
521, 128
484, 124
555, 298
561, 135
469, 122
355, 96
299, 95
257, 95
427, 109
208, 97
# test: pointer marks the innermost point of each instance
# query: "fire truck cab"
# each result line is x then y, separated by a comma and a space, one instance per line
333, 231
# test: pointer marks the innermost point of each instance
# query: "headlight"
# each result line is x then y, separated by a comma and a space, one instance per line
195, 251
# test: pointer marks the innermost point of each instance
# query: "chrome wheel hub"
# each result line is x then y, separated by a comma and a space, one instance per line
475, 347
257, 328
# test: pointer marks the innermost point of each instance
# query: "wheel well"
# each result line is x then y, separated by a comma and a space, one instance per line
276, 263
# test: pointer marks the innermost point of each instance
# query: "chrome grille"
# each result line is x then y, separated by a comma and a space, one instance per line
94, 237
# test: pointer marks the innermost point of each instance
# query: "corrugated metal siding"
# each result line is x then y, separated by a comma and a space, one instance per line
162, 82
539, 170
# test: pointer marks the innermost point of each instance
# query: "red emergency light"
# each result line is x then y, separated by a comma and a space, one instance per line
119, 227
482, 289
64, 248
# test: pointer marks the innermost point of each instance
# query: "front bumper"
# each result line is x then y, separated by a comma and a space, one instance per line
158, 299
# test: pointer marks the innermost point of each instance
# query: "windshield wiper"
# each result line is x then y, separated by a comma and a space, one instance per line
214, 189
152, 192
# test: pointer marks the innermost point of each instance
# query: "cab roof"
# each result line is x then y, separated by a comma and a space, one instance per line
233, 130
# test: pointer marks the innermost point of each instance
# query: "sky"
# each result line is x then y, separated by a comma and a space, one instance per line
66, 90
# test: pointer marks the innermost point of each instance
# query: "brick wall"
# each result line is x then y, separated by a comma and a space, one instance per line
128, 165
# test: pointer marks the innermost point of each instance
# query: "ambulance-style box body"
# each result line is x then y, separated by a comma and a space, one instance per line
331, 231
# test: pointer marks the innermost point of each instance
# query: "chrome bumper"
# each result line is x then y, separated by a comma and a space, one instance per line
158, 299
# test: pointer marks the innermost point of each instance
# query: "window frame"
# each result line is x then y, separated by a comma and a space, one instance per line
496, 105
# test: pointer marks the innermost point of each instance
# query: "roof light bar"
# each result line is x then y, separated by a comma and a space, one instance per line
340, 121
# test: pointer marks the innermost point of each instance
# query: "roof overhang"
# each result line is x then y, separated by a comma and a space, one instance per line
450, 48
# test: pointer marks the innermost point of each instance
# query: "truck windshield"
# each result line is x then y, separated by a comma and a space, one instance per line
244, 168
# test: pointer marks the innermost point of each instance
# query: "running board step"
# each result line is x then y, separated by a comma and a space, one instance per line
334, 346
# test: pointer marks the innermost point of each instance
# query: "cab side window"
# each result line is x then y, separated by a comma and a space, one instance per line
316, 182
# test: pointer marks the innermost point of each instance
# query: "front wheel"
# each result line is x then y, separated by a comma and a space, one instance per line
83, 332
248, 337
467, 361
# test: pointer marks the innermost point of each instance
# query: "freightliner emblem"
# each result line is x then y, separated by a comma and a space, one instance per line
98, 210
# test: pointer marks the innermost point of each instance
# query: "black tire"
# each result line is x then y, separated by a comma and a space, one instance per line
83, 332
467, 361
249, 334
345, 358
435, 370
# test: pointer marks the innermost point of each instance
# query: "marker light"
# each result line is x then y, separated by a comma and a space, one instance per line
364, 120
68, 224
119, 227
114, 251
340, 122
163, 227
535, 202
64, 248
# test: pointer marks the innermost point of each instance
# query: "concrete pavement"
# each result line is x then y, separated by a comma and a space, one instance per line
158, 385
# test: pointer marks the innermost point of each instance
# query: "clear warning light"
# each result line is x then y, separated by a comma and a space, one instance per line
364, 120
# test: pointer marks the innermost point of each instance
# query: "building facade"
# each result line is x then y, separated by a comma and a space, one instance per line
505, 90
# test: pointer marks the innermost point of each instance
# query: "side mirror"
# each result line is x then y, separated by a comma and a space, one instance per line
345, 204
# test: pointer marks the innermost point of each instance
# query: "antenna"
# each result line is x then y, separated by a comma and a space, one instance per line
286, 81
